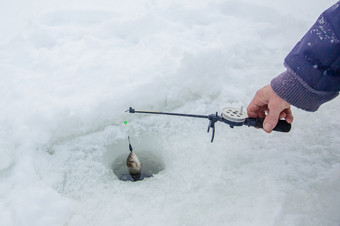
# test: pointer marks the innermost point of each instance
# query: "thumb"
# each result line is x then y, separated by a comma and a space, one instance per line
271, 119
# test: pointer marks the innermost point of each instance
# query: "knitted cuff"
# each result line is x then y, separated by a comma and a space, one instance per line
290, 87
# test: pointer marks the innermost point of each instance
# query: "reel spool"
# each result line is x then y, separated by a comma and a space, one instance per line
234, 115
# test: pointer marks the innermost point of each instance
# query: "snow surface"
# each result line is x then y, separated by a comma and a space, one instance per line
70, 68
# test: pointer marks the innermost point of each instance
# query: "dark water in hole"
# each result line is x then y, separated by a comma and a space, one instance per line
151, 165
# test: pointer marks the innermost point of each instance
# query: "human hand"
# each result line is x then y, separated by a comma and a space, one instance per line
268, 105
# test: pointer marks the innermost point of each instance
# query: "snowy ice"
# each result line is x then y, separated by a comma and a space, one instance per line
70, 68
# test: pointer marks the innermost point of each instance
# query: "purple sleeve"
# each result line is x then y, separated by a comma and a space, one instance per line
290, 87
313, 66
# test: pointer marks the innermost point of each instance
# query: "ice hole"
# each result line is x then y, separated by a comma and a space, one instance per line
148, 151
151, 165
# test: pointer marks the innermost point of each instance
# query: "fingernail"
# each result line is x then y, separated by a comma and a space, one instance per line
267, 127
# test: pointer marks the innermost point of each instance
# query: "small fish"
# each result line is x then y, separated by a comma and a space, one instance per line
133, 164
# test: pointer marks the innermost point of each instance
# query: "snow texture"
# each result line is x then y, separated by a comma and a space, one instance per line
69, 70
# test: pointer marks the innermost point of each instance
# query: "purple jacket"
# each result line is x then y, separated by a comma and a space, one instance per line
313, 66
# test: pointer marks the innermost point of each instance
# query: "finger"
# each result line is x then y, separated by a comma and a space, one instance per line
263, 112
253, 110
257, 103
283, 115
289, 116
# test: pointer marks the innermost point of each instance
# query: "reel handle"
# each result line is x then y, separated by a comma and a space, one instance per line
282, 125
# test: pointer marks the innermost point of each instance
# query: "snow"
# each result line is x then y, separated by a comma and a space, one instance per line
69, 70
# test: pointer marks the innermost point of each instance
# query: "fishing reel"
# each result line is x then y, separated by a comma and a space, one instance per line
231, 116
234, 116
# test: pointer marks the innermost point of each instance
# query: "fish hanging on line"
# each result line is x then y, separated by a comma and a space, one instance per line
133, 164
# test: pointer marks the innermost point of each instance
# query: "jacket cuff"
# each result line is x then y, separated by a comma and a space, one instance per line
290, 87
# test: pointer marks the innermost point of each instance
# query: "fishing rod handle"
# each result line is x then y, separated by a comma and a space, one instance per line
282, 125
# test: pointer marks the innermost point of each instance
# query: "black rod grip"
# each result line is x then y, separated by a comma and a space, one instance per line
282, 125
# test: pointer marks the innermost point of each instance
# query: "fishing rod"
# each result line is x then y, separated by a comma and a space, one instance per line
231, 116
